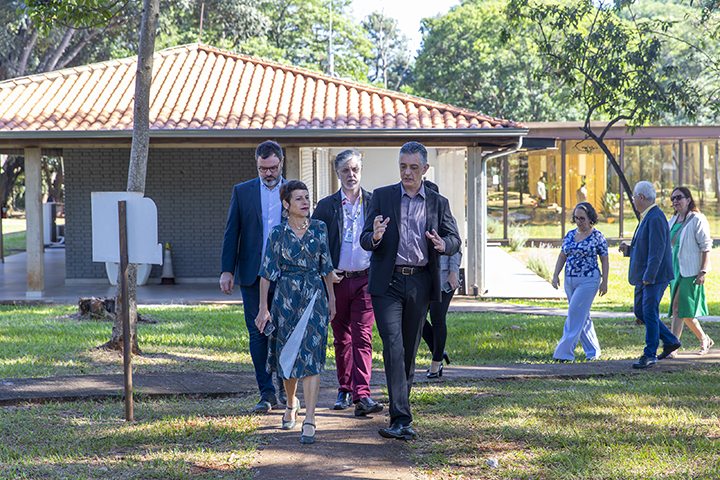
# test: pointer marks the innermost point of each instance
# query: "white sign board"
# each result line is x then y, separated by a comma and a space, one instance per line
142, 228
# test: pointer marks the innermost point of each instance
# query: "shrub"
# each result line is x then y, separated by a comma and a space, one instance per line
537, 264
518, 236
493, 225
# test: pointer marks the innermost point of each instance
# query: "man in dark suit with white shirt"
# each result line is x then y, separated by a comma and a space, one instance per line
344, 214
255, 208
407, 228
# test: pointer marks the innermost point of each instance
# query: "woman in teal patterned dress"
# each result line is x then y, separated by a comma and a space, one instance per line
297, 256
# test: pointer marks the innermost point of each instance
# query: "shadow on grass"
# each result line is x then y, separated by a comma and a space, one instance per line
621, 426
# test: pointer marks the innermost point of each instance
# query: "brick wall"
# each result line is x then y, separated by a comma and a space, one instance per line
191, 188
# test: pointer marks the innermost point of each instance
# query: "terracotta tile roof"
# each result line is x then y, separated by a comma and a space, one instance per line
196, 87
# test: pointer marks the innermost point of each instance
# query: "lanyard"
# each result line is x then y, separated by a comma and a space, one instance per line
347, 212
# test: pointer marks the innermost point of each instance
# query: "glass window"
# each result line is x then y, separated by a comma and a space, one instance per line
656, 161
591, 178
495, 196
700, 167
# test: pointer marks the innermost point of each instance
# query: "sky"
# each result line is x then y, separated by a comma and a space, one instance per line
407, 12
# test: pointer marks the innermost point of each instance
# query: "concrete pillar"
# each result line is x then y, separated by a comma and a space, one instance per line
477, 220
34, 229
292, 163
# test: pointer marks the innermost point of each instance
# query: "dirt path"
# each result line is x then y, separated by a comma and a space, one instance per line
346, 447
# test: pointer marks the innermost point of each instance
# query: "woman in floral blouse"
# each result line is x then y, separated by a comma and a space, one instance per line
579, 254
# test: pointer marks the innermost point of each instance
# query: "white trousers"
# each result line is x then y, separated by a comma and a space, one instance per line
580, 293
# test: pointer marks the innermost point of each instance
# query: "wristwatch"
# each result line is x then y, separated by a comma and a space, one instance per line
703, 271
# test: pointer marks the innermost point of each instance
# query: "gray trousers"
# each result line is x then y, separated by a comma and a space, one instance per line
580, 293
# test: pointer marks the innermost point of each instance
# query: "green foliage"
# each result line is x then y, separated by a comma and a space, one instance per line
48, 14
493, 225
537, 262
518, 237
297, 32
613, 67
466, 63
610, 203
391, 61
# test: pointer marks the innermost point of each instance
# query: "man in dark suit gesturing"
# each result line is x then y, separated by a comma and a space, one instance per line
344, 214
255, 209
651, 270
406, 227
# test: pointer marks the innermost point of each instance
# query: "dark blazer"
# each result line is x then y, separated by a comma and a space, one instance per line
650, 251
386, 202
330, 211
242, 245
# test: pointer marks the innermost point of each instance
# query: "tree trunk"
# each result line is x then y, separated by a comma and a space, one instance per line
78, 48
22, 64
138, 160
52, 61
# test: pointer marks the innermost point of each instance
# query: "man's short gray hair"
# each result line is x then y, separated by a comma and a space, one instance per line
646, 189
343, 157
411, 148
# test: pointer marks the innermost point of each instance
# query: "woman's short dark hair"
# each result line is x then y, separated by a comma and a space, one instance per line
287, 188
687, 194
589, 211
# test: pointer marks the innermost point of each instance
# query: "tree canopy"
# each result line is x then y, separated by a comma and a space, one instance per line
613, 67
465, 62
391, 61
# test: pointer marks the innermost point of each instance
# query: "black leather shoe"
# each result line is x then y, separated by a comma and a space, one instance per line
398, 431
668, 349
366, 406
446, 358
437, 374
344, 401
645, 362
266, 403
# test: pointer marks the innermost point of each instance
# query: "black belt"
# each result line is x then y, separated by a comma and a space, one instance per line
409, 270
359, 273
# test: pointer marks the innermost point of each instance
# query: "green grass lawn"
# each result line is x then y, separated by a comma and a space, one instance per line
13, 230
650, 425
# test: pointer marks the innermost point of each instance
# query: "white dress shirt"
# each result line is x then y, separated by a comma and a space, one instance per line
271, 211
352, 256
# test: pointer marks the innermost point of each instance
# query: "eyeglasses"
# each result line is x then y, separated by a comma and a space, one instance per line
578, 219
634, 195
269, 169
677, 198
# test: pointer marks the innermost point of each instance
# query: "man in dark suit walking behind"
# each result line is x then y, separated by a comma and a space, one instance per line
255, 209
406, 227
343, 213
651, 270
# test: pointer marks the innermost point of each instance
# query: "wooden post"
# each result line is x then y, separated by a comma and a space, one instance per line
127, 345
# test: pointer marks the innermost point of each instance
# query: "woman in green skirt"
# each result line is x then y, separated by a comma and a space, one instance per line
691, 244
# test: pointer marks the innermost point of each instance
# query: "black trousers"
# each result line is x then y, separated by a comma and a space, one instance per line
399, 316
435, 331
